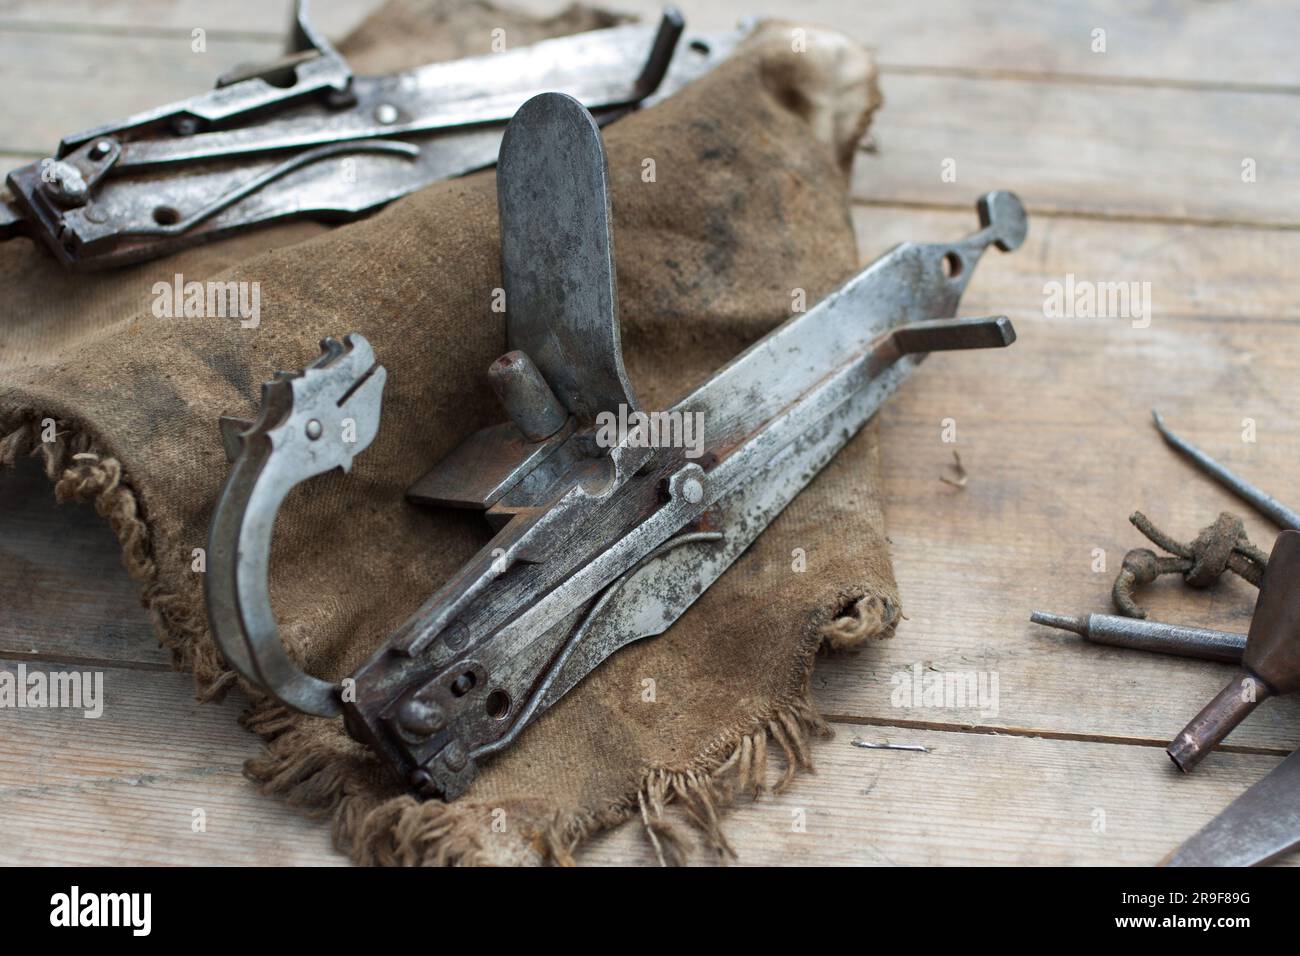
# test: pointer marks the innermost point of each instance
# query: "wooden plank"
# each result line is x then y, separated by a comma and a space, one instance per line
67, 596
974, 799
1210, 274
259, 18
122, 789
1169, 154
1247, 43
1057, 439
1067, 148
69, 82
146, 820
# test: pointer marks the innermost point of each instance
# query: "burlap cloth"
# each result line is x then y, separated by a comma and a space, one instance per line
750, 203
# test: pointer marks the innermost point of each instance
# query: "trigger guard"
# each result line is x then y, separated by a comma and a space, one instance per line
287, 445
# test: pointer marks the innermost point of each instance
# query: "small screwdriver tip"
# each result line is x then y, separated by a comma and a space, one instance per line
1057, 620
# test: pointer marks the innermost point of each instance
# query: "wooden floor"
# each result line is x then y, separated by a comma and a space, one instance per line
1131, 164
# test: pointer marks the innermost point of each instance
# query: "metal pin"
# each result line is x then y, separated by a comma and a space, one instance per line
1116, 631
526, 397
1266, 504
867, 745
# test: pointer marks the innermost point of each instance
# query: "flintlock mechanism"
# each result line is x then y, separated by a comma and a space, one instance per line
599, 543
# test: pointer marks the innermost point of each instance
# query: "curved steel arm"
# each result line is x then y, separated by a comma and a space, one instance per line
310, 422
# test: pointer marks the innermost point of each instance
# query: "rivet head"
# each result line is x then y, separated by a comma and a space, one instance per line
421, 717
386, 113
455, 635
462, 685
693, 491
101, 149
455, 757
64, 183
314, 429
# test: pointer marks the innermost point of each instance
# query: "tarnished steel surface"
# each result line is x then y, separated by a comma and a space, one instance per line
310, 423
604, 543
304, 137
484, 468
557, 254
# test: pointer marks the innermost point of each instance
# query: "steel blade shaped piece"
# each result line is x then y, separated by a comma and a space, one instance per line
557, 254
1259, 826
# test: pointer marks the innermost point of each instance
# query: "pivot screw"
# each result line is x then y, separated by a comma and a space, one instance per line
693, 491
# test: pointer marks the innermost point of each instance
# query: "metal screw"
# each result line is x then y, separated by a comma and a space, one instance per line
386, 113
314, 429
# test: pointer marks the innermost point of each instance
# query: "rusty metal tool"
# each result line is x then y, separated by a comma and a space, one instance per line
1270, 663
1118, 631
1258, 827
599, 541
304, 137
1266, 504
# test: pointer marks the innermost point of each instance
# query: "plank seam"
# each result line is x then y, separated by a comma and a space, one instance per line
139, 32
1048, 212
995, 74
39, 657
1030, 732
